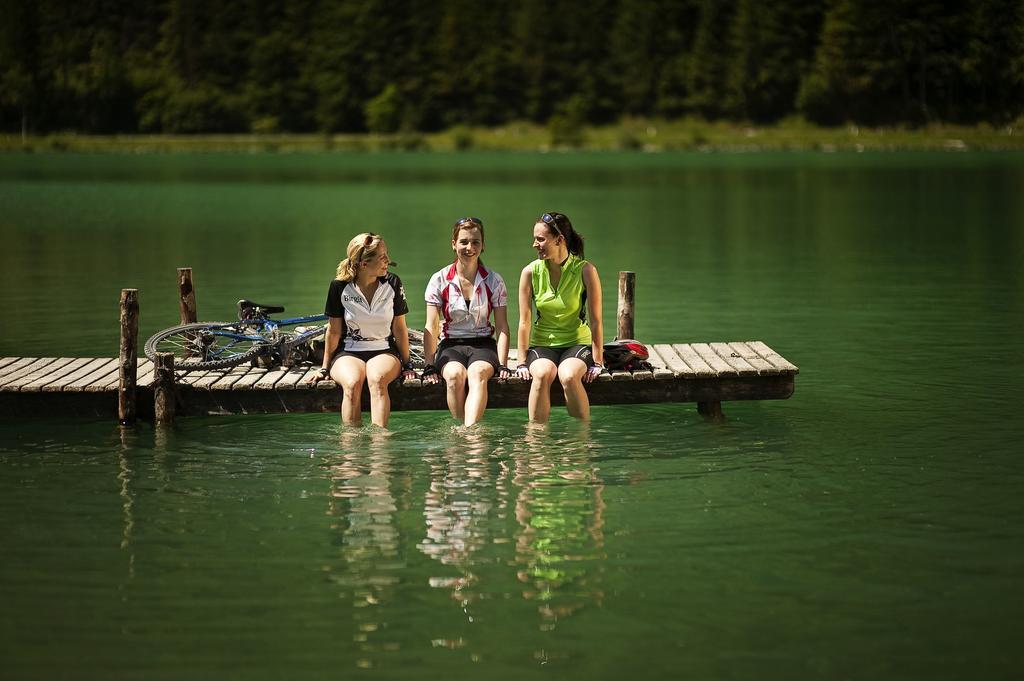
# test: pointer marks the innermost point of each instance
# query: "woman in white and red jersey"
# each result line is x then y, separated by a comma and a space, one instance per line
461, 299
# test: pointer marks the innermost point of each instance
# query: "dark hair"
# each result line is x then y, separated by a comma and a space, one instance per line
559, 225
468, 223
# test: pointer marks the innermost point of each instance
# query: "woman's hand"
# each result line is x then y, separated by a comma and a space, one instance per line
429, 374
321, 375
407, 371
593, 372
523, 372
504, 372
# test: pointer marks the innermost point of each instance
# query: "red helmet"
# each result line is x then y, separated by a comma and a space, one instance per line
625, 353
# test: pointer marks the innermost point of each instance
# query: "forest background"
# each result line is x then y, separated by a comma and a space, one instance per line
182, 67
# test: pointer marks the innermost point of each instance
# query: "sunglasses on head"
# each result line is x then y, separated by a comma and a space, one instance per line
370, 236
470, 221
552, 220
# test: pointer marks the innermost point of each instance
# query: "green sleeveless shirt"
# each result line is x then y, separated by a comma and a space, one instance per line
560, 312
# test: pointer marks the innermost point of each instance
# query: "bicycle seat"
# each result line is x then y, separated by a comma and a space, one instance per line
247, 307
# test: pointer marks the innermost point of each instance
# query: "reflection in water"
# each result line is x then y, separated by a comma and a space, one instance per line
560, 511
548, 487
364, 505
124, 475
457, 506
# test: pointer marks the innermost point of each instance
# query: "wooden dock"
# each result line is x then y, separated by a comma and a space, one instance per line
705, 373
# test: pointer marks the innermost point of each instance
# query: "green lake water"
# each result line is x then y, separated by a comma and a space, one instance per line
869, 527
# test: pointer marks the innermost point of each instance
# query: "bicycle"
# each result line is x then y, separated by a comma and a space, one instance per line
254, 338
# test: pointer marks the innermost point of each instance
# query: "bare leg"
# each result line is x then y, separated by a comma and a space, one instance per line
349, 373
380, 371
570, 373
544, 372
476, 401
455, 379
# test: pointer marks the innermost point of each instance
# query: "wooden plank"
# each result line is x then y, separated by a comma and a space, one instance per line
251, 377
145, 375
733, 359
306, 382
106, 383
773, 357
54, 376
189, 377
82, 382
40, 372
91, 365
209, 378
700, 367
5, 361
26, 369
643, 375
655, 359
763, 366
115, 384
17, 364
288, 381
618, 376
230, 377
661, 371
270, 379
671, 359
719, 365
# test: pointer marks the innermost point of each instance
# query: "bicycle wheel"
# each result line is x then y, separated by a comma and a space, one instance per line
297, 346
207, 345
416, 348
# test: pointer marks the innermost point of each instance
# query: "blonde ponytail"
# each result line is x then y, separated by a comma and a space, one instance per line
346, 272
362, 248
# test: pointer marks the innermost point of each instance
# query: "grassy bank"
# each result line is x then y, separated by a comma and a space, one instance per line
631, 135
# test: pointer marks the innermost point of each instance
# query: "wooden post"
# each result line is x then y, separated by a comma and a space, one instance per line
186, 296
128, 361
627, 289
163, 389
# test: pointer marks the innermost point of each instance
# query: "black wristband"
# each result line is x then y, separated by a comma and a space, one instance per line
407, 366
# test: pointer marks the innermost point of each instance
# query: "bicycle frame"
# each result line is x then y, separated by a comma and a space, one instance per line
266, 330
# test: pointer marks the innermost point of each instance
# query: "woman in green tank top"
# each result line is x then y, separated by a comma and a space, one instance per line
565, 291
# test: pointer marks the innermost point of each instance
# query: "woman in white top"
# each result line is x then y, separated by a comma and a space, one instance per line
367, 339
465, 295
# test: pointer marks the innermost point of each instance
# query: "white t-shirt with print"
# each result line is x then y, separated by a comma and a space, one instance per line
367, 323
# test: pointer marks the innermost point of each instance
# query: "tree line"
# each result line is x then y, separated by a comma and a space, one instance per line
220, 66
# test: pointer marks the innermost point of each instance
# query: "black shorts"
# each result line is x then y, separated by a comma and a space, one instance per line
465, 351
559, 355
365, 355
